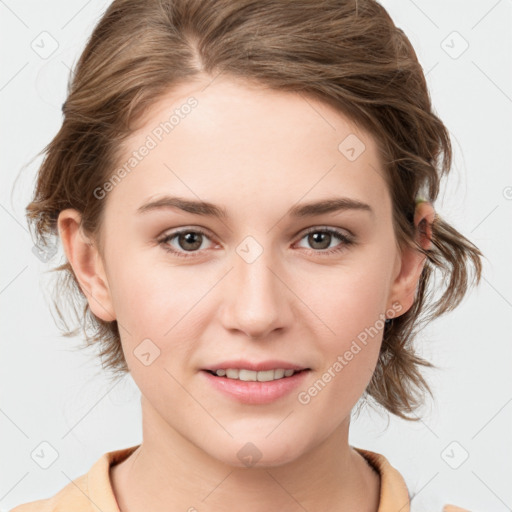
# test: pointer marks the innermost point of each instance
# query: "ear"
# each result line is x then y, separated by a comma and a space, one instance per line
87, 264
411, 261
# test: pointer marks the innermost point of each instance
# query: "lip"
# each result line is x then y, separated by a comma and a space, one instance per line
260, 366
254, 392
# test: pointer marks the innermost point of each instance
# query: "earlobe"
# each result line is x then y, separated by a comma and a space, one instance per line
85, 260
411, 260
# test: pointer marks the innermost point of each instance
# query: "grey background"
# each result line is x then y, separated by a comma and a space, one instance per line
53, 393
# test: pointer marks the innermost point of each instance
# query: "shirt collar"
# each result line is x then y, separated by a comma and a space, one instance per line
394, 496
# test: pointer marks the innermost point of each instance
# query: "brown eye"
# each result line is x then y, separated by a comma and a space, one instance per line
187, 240
190, 241
320, 240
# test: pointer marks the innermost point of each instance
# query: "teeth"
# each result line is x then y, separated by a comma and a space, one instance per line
279, 374
231, 373
247, 375
251, 375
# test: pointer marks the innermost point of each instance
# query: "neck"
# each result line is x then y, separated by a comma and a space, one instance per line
167, 472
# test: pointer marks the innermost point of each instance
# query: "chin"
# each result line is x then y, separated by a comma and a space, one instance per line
258, 453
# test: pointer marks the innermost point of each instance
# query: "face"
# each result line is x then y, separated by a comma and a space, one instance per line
268, 284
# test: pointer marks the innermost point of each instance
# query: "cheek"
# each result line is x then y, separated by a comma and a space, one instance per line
355, 314
351, 302
160, 311
348, 300
151, 296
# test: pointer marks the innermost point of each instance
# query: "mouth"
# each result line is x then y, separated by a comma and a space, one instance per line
256, 376
255, 387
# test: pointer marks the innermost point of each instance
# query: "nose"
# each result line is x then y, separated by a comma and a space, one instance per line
255, 299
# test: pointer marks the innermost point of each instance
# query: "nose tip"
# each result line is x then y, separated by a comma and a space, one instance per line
254, 300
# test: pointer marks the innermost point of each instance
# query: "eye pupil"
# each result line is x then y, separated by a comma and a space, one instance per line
317, 237
188, 238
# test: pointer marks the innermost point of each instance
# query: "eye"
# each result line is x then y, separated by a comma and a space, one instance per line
321, 238
191, 241
188, 240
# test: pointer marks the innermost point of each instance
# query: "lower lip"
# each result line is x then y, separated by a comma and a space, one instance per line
254, 392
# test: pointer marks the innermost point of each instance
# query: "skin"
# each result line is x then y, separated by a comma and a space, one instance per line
255, 152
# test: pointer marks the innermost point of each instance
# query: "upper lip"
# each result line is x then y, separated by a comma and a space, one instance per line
255, 365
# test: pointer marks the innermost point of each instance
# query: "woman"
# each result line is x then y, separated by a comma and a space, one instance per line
208, 153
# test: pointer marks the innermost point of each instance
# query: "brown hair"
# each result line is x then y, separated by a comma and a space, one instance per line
348, 54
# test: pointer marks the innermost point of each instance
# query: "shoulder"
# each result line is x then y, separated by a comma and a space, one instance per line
68, 498
87, 493
394, 494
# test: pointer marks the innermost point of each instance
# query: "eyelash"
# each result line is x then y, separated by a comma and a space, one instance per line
345, 239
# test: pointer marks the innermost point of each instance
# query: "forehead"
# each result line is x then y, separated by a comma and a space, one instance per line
211, 139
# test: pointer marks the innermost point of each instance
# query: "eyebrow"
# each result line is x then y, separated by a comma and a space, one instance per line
205, 208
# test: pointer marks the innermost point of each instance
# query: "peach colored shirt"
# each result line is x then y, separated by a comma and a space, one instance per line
92, 492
